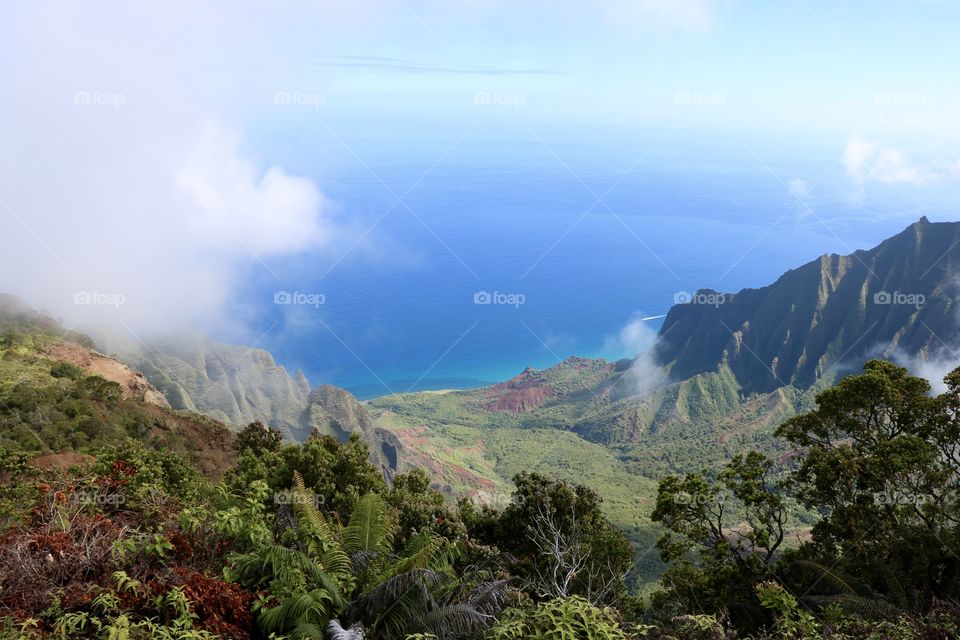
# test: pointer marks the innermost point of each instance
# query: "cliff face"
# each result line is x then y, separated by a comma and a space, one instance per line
234, 384
240, 385
336, 412
900, 295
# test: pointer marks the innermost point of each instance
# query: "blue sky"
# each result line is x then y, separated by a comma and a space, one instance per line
821, 67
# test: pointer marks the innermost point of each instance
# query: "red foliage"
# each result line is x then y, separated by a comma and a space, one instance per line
222, 608
44, 558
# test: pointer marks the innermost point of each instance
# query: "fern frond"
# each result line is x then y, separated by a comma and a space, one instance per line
369, 528
321, 542
422, 552
829, 576
303, 611
453, 621
864, 606
488, 597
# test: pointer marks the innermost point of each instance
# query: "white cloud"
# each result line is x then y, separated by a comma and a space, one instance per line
636, 336
265, 213
866, 161
137, 173
637, 339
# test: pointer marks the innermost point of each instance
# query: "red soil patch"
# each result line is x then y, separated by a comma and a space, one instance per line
519, 394
133, 383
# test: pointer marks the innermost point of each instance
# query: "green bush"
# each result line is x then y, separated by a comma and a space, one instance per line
562, 619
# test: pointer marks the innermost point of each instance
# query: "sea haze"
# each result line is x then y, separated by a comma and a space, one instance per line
517, 214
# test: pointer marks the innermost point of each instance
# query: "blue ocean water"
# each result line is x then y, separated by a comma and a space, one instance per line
569, 239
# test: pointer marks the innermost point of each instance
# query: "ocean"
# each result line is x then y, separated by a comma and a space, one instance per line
511, 251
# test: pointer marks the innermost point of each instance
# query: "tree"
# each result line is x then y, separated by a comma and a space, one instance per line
336, 473
258, 438
879, 461
561, 542
421, 508
733, 525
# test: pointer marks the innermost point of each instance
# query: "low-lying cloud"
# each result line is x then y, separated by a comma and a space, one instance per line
867, 161
637, 339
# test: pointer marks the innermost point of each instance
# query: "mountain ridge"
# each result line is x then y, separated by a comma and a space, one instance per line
833, 308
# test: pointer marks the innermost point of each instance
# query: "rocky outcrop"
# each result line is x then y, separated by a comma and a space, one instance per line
336, 412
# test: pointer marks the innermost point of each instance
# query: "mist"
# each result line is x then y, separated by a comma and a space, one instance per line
638, 339
136, 191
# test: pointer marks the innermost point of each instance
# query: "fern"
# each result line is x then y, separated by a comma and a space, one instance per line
299, 612
369, 528
320, 539
422, 552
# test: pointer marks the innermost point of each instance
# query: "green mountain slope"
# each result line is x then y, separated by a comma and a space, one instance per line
831, 310
60, 400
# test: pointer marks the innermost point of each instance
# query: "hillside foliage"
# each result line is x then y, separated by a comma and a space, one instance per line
121, 537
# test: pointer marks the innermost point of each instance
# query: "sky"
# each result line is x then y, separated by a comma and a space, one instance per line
153, 153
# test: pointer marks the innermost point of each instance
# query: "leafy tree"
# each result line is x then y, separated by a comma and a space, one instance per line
561, 542
258, 438
732, 525
879, 461
420, 508
336, 473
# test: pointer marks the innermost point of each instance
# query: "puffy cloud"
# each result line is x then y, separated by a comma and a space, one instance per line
235, 204
866, 161
637, 339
